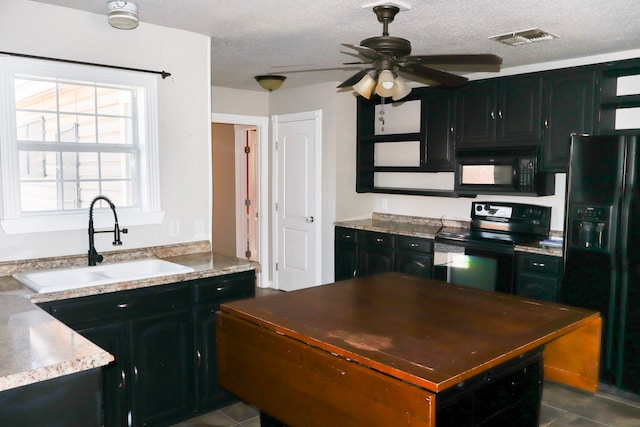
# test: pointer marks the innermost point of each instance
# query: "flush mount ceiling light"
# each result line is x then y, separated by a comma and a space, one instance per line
123, 15
270, 82
517, 38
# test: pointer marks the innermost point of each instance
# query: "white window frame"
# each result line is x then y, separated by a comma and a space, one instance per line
13, 221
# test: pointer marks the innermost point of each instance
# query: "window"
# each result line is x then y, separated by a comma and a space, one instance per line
70, 133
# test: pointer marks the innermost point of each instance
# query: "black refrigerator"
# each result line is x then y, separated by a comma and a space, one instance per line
602, 248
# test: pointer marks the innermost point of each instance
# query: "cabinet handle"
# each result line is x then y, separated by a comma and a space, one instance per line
135, 374
500, 114
414, 245
199, 358
355, 272
123, 376
546, 123
310, 219
493, 115
538, 264
379, 239
346, 237
123, 305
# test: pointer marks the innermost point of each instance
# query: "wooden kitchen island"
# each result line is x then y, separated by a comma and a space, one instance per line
391, 350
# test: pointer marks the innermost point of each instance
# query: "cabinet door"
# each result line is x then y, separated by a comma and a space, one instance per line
117, 375
538, 287
414, 263
569, 108
438, 115
476, 117
162, 367
519, 110
346, 261
374, 260
209, 395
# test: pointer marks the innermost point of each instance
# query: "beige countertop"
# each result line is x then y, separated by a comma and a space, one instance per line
34, 346
427, 228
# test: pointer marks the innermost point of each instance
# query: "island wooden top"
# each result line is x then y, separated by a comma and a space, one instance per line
426, 332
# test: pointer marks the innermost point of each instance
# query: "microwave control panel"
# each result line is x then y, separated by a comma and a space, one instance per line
526, 174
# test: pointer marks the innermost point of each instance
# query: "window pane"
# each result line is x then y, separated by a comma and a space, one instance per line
38, 196
88, 166
36, 126
69, 169
114, 130
77, 128
35, 95
120, 192
115, 166
76, 98
114, 102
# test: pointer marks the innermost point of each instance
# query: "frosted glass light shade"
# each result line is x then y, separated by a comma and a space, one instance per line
401, 90
122, 15
365, 86
386, 84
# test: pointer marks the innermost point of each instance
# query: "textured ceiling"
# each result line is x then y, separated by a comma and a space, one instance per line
251, 37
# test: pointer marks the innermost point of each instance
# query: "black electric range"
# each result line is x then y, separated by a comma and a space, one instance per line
483, 255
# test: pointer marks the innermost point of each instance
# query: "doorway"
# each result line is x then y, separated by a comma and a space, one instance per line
237, 125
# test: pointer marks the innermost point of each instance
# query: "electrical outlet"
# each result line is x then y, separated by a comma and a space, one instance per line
174, 228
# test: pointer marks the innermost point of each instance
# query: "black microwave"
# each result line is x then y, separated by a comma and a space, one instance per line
502, 171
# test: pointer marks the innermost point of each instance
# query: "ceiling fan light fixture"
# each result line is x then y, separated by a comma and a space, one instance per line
122, 15
365, 86
401, 90
270, 82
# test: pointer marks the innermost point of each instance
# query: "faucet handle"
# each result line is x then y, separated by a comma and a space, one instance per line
124, 230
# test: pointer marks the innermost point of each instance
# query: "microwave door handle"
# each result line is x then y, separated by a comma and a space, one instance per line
515, 174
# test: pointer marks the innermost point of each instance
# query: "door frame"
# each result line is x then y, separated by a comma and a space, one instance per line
262, 125
315, 115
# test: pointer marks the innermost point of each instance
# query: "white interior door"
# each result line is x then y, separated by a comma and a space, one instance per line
297, 198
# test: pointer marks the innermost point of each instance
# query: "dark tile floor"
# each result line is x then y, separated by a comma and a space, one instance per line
561, 407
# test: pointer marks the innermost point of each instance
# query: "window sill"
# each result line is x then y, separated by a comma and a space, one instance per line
79, 221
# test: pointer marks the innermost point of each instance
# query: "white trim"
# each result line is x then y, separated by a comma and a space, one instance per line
262, 123
148, 179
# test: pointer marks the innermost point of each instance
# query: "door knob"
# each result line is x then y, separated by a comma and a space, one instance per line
309, 219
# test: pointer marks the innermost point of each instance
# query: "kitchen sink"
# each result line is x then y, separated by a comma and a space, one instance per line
63, 279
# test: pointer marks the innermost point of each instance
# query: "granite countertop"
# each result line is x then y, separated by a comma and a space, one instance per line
34, 346
427, 228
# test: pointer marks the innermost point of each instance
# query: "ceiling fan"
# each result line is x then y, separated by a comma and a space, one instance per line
390, 58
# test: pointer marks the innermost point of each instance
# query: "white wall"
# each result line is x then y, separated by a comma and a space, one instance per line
184, 114
240, 102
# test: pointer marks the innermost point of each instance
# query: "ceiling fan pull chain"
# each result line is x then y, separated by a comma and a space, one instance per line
381, 118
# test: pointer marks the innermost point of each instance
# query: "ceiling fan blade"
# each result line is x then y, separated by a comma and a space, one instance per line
367, 52
464, 62
354, 79
429, 76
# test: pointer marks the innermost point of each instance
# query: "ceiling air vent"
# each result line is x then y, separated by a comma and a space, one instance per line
521, 37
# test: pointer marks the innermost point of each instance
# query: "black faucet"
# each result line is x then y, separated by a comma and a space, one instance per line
94, 256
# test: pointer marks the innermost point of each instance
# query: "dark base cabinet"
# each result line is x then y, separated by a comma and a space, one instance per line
68, 401
163, 341
538, 276
360, 253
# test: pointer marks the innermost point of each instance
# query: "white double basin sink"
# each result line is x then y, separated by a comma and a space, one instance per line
43, 281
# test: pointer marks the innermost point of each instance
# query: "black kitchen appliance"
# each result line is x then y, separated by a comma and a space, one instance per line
482, 256
502, 170
602, 248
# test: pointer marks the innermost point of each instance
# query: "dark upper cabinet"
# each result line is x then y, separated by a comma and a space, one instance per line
476, 113
569, 99
438, 116
504, 111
